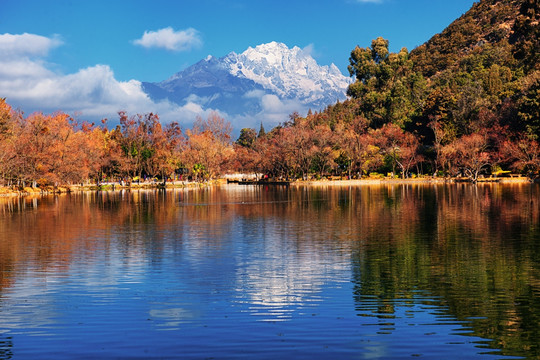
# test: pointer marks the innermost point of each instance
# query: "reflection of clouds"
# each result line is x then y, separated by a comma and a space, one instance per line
280, 278
45, 296
272, 290
170, 318
26, 303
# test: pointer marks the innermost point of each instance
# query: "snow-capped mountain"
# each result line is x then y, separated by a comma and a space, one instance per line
289, 73
253, 81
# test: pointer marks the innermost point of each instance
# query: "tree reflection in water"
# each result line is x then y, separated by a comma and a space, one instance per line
473, 247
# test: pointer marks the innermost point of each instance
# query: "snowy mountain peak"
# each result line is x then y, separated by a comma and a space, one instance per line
272, 52
248, 83
290, 73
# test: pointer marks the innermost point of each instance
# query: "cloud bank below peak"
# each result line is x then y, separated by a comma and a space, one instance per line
28, 83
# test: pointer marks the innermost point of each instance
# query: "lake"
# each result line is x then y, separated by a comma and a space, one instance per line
255, 272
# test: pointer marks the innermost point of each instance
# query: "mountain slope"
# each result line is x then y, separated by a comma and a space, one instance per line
238, 83
510, 25
208, 83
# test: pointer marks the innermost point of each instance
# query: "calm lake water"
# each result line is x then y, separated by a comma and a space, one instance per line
232, 272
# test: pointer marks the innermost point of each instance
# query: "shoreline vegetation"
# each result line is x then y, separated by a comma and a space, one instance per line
29, 191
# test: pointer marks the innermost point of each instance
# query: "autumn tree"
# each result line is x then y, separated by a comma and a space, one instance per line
105, 152
6, 114
298, 141
409, 153
399, 146
220, 128
9, 123
133, 137
325, 150
246, 159
274, 157
48, 151
79, 158
523, 154
469, 153
208, 146
167, 145
357, 146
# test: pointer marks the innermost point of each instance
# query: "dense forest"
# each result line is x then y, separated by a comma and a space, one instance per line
466, 103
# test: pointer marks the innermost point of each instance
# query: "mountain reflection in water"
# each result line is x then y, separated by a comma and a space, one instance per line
372, 272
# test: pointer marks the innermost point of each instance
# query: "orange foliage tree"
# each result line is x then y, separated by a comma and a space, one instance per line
399, 146
209, 147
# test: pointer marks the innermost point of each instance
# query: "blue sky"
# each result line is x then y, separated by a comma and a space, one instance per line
87, 57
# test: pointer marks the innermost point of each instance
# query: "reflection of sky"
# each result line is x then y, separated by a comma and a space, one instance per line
276, 279
124, 319
261, 286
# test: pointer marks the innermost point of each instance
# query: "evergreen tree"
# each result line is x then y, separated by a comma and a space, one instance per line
247, 137
262, 132
387, 88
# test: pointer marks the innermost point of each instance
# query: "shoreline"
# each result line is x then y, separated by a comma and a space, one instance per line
386, 181
28, 191
68, 189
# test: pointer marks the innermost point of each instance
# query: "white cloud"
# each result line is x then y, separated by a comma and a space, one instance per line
271, 103
169, 39
276, 110
309, 50
92, 92
23, 68
254, 94
26, 45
